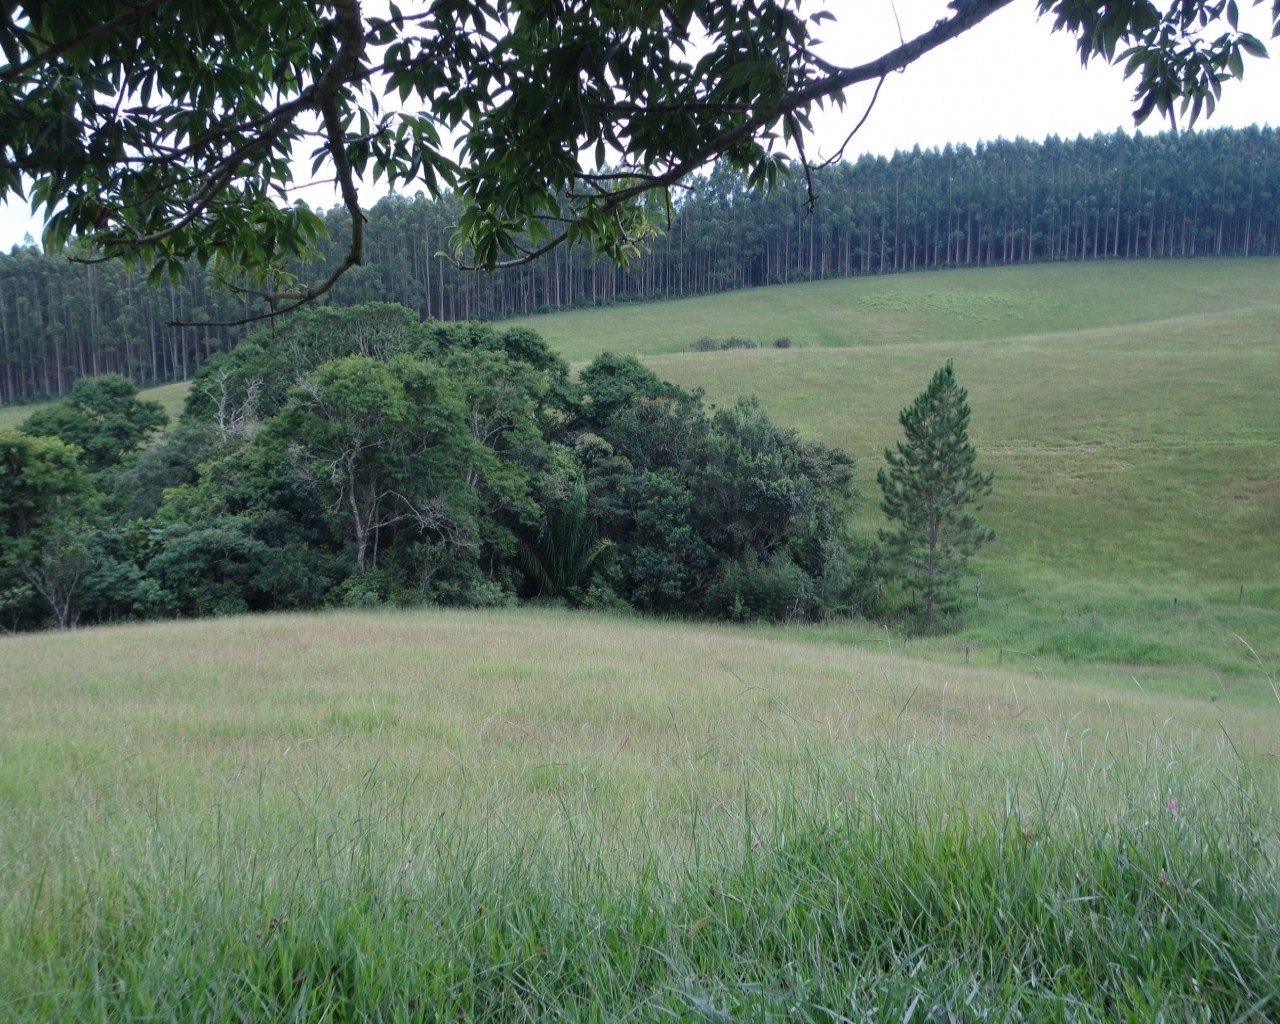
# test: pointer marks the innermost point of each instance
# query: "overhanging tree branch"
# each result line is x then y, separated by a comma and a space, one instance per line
162, 130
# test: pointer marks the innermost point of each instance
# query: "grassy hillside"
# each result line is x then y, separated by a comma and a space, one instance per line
1067, 811
543, 816
171, 396
958, 305
11, 416
1150, 452
1127, 409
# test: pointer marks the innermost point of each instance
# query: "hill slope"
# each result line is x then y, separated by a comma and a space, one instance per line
1128, 409
927, 306
533, 815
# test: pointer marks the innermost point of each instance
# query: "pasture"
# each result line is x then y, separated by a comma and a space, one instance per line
1067, 810
538, 815
170, 396
1127, 409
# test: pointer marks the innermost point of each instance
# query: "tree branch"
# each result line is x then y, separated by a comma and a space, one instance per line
52, 53
324, 97
969, 14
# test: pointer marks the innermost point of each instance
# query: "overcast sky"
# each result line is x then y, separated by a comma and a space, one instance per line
1011, 76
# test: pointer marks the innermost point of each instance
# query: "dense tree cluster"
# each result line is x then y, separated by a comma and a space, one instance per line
361, 456
1109, 197
1116, 196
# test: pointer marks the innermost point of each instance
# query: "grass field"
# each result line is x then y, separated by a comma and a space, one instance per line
1127, 409
1069, 810
941, 306
534, 815
12, 416
171, 396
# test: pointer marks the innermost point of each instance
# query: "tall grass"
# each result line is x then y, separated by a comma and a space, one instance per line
897, 880
537, 816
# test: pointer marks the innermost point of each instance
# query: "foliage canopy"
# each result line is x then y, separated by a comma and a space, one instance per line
163, 129
359, 456
103, 417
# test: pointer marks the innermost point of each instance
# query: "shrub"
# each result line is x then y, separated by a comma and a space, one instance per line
367, 590
602, 598
777, 590
709, 344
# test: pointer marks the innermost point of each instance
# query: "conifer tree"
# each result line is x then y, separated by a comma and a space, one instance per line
931, 490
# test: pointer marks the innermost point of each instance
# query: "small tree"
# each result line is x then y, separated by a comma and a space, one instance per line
930, 488
103, 417
45, 528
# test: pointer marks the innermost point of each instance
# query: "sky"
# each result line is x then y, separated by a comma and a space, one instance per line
1009, 77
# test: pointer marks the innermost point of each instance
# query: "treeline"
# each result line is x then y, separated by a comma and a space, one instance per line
1114, 196
1214, 193
358, 456
62, 320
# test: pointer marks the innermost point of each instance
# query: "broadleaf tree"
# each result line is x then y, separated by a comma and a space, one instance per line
103, 417
931, 488
164, 130
387, 444
44, 522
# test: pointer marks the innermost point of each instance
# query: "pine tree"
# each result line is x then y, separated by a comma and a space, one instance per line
931, 490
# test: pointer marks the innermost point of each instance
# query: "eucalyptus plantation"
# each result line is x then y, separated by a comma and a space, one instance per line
931, 489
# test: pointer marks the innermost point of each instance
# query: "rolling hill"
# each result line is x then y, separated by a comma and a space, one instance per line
1126, 408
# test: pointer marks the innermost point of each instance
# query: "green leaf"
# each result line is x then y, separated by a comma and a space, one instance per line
1252, 46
